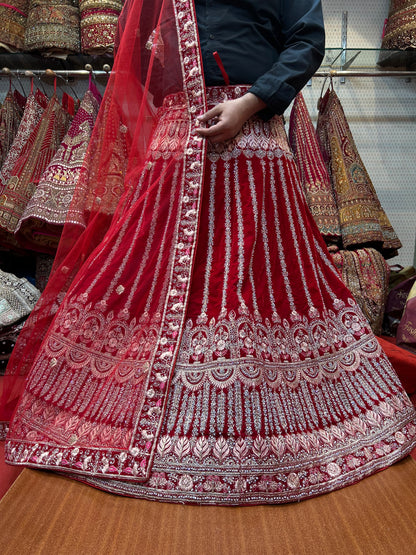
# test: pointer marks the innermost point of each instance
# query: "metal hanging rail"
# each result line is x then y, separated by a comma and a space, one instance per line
62, 72
107, 71
364, 73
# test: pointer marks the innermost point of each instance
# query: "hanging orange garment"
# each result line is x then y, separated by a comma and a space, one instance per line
362, 218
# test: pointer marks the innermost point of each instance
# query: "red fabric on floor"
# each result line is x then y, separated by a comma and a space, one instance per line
403, 361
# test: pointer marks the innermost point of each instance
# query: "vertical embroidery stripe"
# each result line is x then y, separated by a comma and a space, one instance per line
211, 228
162, 246
265, 233
227, 215
280, 251
116, 248
256, 231
149, 243
240, 224
298, 257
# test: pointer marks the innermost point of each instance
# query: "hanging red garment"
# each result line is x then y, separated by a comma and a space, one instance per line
363, 220
34, 158
35, 105
313, 171
99, 25
197, 347
41, 223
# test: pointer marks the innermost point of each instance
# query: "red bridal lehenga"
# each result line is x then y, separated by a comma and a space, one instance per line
206, 350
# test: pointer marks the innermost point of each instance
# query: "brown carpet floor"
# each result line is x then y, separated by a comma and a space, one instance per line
44, 513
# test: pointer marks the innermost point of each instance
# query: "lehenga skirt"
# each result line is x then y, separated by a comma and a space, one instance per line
280, 390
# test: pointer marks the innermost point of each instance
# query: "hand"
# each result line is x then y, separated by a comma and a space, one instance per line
226, 119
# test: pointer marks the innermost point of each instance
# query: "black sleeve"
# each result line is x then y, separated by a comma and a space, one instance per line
303, 39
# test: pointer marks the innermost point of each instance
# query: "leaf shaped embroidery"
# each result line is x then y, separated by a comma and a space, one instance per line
326, 437
182, 448
338, 433
72, 424
260, 448
106, 434
304, 442
314, 440
278, 446
374, 419
201, 449
165, 446
221, 449
84, 430
240, 449
386, 409
49, 414
293, 444
359, 425
349, 428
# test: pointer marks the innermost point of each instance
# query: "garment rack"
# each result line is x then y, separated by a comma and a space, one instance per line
51, 72
107, 70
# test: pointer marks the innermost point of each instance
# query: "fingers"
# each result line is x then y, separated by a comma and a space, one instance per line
210, 114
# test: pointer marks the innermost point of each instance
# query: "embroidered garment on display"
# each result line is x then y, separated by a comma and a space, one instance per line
406, 330
17, 298
40, 225
35, 105
196, 343
362, 218
53, 27
11, 113
313, 171
366, 274
400, 31
34, 158
13, 16
8, 338
99, 24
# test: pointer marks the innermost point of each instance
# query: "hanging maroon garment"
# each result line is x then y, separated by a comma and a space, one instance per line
362, 218
206, 350
34, 158
35, 105
366, 274
313, 171
41, 223
11, 113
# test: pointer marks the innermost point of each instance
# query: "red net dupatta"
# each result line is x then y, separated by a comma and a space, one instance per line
135, 186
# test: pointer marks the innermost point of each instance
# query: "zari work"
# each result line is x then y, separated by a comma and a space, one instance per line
17, 298
313, 171
274, 397
53, 26
35, 105
400, 32
34, 158
11, 113
362, 218
41, 223
206, 350
366, 274
13, 17
99, 24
